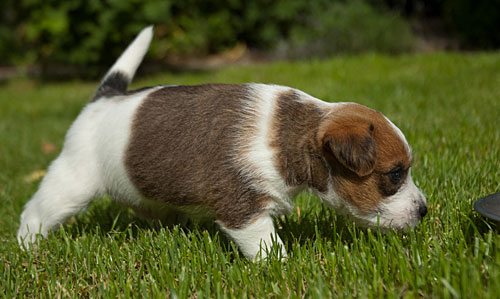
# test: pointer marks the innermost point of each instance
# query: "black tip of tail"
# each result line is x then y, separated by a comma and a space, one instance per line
114, 84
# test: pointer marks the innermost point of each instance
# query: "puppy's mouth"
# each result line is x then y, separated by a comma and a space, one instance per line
386, 220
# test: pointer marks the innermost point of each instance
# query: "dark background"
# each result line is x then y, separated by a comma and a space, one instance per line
82, 37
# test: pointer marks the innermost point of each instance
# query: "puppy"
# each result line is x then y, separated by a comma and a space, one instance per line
236, 153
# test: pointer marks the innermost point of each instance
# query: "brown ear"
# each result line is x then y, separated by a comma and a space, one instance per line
351, 142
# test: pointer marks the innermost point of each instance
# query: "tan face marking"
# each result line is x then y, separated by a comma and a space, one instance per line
369, 159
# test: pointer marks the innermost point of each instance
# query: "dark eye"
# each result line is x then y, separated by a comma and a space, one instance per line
396, 176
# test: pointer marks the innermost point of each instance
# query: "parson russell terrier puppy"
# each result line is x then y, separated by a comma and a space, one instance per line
238, 153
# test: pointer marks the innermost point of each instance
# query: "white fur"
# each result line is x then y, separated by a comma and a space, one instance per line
257, 239
131, 58
402, 209
90, 164
254, 157
111, 139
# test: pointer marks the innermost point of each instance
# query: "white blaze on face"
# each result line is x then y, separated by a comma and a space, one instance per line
400, 210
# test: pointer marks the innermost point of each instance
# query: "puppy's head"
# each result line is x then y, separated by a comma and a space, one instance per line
370, 162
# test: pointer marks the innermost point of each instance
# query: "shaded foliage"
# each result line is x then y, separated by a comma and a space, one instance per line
475, 22
89, 34
94, 32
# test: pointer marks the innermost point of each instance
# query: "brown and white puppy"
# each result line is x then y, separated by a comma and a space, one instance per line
239, 153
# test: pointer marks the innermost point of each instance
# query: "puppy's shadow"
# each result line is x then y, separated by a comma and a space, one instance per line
321, 225
105, 216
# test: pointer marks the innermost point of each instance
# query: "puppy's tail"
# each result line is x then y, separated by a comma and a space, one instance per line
121, 73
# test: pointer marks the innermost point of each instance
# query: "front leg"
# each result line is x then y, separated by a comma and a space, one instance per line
256, 238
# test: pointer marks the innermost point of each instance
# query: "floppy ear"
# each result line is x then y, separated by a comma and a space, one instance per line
350, 141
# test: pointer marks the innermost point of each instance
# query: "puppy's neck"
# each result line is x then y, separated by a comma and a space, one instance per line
294, 129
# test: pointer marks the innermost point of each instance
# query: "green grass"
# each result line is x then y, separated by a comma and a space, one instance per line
448, 105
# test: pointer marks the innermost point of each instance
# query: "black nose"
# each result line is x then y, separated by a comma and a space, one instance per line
422, 210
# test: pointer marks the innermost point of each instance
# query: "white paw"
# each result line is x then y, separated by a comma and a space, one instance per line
257, 239
29, 231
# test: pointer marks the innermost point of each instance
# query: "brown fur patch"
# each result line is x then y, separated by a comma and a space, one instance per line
298, 158
388, 152
181, 149
352, 144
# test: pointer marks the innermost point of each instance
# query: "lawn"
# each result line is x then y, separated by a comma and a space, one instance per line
448, 105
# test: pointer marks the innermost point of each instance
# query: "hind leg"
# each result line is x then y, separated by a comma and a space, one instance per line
69, 186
